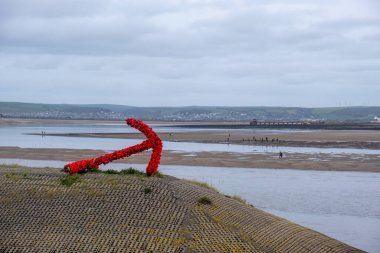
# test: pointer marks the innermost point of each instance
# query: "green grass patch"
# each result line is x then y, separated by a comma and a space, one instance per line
158, 174
95, 171
70, 180
132, 171
205, 201
12, 176
111, 172
11, 165
8, 175
125, 172
147, 190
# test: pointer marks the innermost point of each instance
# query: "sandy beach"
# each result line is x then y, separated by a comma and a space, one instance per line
326, 138
343, 162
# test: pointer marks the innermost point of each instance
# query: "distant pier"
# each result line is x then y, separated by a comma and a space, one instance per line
291, 124
286, 123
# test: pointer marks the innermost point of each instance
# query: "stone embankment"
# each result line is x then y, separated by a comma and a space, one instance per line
41, 212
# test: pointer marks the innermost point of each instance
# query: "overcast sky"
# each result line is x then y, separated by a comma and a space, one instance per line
199, 52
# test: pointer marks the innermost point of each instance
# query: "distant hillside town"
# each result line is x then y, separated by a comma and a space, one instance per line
189, 113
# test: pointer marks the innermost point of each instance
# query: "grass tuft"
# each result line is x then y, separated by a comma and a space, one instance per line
158, 174
131, 171
95, 171
112, 172
147, 190
204, 201
70, 180
11, 165
238, 198
201, 184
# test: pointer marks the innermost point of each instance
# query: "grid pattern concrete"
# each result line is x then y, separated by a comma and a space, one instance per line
113, 213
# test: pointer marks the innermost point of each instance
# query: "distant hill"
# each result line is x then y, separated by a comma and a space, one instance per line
188, 113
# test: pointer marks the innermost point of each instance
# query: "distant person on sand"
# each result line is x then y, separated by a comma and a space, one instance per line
280, 155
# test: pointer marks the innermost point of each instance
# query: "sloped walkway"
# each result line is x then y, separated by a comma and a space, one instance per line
113, 213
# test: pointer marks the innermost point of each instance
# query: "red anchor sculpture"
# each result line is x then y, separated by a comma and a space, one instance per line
153, 141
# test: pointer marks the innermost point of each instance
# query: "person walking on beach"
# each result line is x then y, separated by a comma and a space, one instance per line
280, 155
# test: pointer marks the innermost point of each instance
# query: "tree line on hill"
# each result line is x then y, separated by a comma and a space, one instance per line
187, 113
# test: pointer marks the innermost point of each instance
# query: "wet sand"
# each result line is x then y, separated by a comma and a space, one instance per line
326, 162
326, 139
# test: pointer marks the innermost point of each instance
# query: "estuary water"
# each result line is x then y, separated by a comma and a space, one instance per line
24, 137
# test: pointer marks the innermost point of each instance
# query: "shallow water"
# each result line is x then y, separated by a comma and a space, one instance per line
19, 136
343, 205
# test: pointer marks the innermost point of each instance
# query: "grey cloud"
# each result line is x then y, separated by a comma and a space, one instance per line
241, 52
